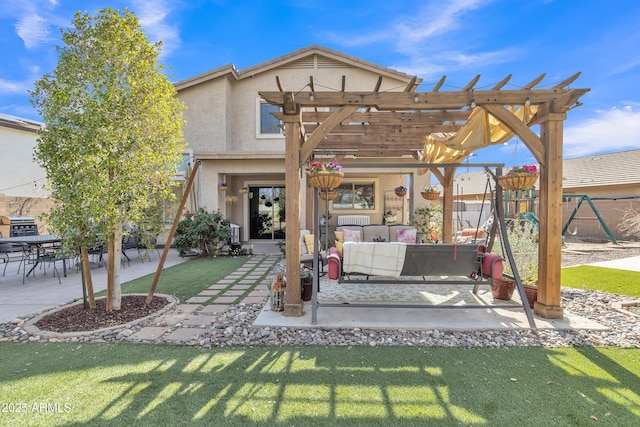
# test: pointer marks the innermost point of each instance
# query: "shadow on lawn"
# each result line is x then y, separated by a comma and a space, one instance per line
333, 385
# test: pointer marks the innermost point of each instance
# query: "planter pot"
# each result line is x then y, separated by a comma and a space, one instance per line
531, 291
243, 190
503, 289
307, 291
223, 187
328, 194
518, 181
401, 193
325, 179
232, 199
430, 195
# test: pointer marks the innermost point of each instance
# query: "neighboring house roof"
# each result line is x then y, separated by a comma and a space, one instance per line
602, 169
19, 123
330, 58
619, 168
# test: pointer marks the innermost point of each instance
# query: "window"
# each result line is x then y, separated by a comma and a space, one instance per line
355, 196
269, 125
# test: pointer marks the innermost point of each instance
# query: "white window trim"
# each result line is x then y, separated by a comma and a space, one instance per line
376, 183
260, 135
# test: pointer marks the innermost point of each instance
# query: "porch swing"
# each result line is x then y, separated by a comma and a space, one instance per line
432, 261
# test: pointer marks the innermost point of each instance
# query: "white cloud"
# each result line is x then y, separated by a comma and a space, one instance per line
152, 15
609, 131
19, 86
33, 30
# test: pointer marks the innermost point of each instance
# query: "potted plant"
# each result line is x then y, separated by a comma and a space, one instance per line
524, 247
244, 190
519, 177
400, 190
223, 186
325, 175
430, 192
306, 283
232, 198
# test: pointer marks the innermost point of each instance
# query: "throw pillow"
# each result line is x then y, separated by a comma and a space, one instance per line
339, 247
352, 236
308, 240
339, 236
406, 236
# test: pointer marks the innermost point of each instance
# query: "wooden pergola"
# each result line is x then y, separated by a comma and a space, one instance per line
383, 125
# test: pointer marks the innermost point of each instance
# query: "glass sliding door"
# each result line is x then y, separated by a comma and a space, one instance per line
267, 213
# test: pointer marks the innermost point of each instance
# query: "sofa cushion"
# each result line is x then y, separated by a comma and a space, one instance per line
352, 235
308, 241
375, 233
393, 231
303, 245
406, 236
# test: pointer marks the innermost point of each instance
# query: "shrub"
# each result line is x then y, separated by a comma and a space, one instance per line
201, 231
524, 247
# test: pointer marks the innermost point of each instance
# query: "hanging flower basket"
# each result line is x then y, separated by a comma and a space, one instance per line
232, 199
223, 187
325, 179
518, 181
325, 175
400, 191
327, 194
430, 195
244, 190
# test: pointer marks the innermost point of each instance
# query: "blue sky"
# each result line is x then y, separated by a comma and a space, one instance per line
428, 38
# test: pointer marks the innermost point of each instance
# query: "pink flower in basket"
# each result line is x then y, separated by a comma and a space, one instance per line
324, 167
524, 169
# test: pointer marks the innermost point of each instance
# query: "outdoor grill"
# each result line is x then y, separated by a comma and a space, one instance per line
14, 226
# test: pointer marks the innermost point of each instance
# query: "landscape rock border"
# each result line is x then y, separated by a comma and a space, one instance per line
31, 328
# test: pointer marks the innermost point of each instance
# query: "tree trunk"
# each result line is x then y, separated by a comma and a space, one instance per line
117, 258
114, 291
86, 270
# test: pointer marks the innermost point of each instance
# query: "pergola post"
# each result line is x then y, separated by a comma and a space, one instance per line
550, 210
293, 303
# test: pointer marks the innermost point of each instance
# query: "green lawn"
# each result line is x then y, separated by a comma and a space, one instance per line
187, 279
142, 384
608, 280
124, 384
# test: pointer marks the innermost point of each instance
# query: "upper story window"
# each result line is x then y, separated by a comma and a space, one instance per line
267, 124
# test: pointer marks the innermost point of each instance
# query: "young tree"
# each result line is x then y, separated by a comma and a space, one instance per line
112, 139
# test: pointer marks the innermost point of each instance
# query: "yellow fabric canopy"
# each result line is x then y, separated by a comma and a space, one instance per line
482, 129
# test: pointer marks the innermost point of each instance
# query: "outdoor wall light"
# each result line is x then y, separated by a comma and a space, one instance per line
527, 101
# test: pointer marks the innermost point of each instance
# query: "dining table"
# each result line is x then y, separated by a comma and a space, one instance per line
39, 241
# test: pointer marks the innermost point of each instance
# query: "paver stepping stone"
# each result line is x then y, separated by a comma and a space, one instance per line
252, 299
184, 334
149, 333
214, 308
209, 292
229, 300
172, 319
198, 299
246, 282
234, 292
220, 285
200, 320
187, 308
222, 281
244, 286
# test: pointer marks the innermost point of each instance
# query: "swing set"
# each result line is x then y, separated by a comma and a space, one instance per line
581, 198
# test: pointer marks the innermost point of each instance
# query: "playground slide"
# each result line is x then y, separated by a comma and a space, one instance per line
530, 216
